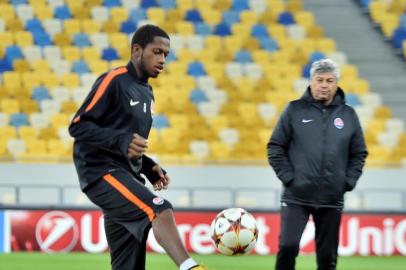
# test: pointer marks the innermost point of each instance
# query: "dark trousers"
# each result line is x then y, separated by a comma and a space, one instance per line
294, 218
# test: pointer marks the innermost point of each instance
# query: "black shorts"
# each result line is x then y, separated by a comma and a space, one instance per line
129, 208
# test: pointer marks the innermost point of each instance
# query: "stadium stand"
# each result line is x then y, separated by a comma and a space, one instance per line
232, 68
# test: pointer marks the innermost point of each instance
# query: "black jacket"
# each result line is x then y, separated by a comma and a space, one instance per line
118, 106
317, 151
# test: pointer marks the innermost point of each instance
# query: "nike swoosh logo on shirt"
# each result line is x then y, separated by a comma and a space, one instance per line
306, 120
133, 103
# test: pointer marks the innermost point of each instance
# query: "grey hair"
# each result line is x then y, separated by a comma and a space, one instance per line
323, 66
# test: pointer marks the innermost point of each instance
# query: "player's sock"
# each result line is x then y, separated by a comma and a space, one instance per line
188, 264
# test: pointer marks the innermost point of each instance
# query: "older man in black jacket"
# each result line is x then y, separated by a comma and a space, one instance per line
318, 152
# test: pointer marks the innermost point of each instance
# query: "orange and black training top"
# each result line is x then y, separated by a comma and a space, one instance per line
118, 105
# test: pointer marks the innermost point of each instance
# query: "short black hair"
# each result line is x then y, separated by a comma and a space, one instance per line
146, 33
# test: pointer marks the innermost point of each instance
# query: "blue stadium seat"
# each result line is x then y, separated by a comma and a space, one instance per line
13, 52
259, 31
33, 25
399, 35
197, 96
148, 3
160, 121
243, 56
62, 13
137, 14
40, 93
128, 27
81, 40
352, 99
171, 57
202, 29
80, 67
42, 38
167, 4
111, 3
193, 15
240, 5
196, 69
306, 70
365, 3
231, 17
268, 44
286, 18
316, 56
110, 54
222, 29
5, 65
18, 120
18, 2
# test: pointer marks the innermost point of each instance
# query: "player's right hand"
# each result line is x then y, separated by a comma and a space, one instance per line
137, 146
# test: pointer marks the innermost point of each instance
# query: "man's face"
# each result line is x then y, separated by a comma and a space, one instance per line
151, 59
323, 87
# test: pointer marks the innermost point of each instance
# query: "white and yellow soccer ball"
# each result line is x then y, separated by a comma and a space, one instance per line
234, 231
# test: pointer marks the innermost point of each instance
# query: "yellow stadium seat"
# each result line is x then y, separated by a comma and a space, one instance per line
124, 53
98, 66
48, 133
184, 5
71, 53
28, 106
36, 147
119, 40
49, 79
185, 28
91, 53
248, 17
156, 14
118, 14
203, 4
27, 133
23, 38
294, 6
213, 42
175, 15
6, 11
277, 31
232, 44
304, 18
90, 26
8, 132
179, 121
3, 148
70, 80
31, 79
69, 107
118, 63
43, 12
211, 16
21, 65
6, 39
19, 92
11, 79
62, 39
349, 72
81, 12
220, 151
14, 25
91, 3
222, 5
72, 26
60, 120
315, 31
40, 65
383, 112
326, 45
56, 147
251, 44
10, 106
390, 23
241, 30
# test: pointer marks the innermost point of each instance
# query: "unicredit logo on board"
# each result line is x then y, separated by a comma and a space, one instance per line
56, 231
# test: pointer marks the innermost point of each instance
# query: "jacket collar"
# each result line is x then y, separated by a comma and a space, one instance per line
338, 99
133, 72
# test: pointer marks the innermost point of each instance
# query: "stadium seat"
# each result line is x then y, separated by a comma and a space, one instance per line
18, 119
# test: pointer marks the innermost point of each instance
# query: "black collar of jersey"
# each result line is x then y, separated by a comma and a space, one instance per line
133, 72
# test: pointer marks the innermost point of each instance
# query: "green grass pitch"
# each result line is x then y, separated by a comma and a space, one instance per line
83, 261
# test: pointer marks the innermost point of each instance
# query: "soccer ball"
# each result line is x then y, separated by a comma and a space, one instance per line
234, 231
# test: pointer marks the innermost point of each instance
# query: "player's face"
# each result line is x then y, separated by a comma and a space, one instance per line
323, 87
151, 59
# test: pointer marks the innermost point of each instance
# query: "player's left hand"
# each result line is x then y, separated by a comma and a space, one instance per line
164, 180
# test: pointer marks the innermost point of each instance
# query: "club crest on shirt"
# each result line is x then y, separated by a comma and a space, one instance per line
158, 201
338, 123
